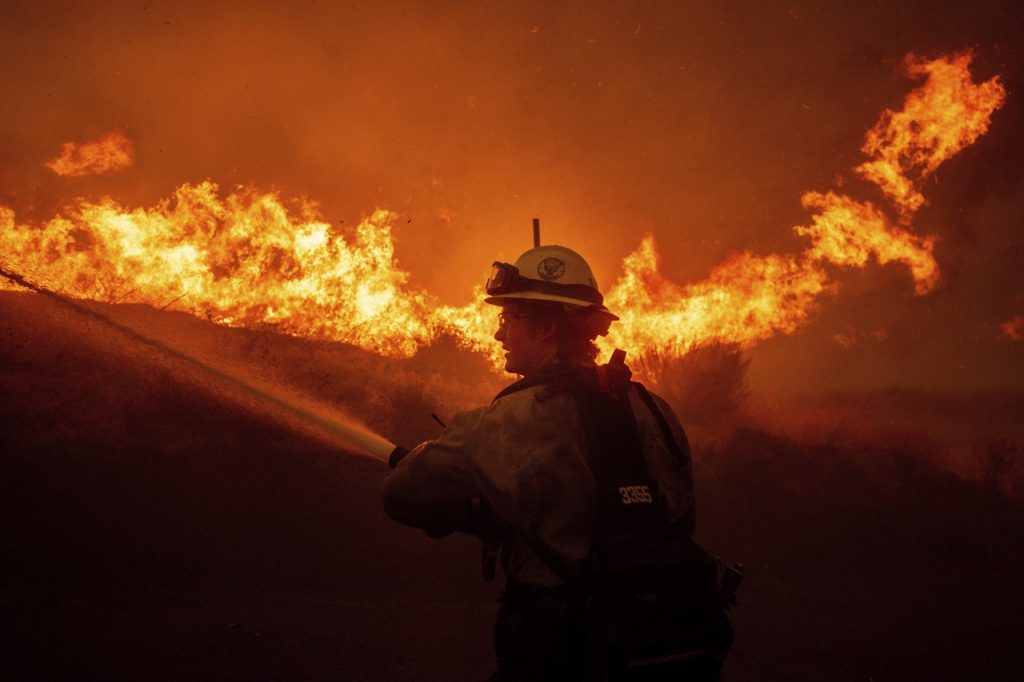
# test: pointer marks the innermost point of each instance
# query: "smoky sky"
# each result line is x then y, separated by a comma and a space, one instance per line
700, 123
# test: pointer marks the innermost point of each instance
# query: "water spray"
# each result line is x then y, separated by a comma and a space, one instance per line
358, 438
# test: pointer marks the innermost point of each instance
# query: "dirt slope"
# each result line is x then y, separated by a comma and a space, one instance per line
156, 528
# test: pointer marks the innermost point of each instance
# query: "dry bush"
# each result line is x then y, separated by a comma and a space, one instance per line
706, 386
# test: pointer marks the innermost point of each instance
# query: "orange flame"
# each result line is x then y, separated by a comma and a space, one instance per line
745, 299
112, 152
245, 259
750, 298
848, 232
946, 114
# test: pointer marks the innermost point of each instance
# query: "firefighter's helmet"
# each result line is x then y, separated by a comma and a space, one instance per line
554, 274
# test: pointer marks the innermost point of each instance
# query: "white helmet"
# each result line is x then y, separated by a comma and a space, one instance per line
548, 273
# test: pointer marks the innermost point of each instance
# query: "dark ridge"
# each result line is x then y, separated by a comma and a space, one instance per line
156, 529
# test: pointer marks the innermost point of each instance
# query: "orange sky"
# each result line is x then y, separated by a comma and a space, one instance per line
703, 126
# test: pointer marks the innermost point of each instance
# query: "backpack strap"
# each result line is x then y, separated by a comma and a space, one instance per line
666, 430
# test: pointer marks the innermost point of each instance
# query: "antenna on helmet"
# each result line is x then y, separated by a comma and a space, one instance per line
536, 232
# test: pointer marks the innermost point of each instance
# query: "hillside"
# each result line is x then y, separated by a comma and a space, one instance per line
159, 524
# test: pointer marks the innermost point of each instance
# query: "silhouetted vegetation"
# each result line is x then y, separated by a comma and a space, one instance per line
707, 386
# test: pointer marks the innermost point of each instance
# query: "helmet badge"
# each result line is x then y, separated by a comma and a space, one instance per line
551, 268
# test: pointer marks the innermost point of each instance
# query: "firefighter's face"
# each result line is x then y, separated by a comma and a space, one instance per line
528, 343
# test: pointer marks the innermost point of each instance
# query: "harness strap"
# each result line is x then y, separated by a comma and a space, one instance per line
666, 430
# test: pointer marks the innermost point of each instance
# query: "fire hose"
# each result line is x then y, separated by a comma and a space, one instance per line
357, 438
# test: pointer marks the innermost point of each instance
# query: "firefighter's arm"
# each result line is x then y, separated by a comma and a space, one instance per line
432, 487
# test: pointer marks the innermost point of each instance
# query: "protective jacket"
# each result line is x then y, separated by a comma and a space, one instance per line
525, 455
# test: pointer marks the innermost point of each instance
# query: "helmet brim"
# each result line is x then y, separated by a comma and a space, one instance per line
502, 299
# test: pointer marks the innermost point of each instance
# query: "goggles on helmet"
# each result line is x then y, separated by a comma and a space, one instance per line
505, 279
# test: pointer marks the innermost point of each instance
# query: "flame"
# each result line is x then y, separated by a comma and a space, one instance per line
112, 152
946, 114
848, 232
750, 298
745, 299
241, 260
246, 259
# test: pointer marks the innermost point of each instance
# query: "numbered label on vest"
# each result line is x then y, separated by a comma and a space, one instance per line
635, 494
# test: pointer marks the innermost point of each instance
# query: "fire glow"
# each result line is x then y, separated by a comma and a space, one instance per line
246, 259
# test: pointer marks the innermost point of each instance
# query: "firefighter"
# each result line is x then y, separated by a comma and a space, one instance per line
520, 472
